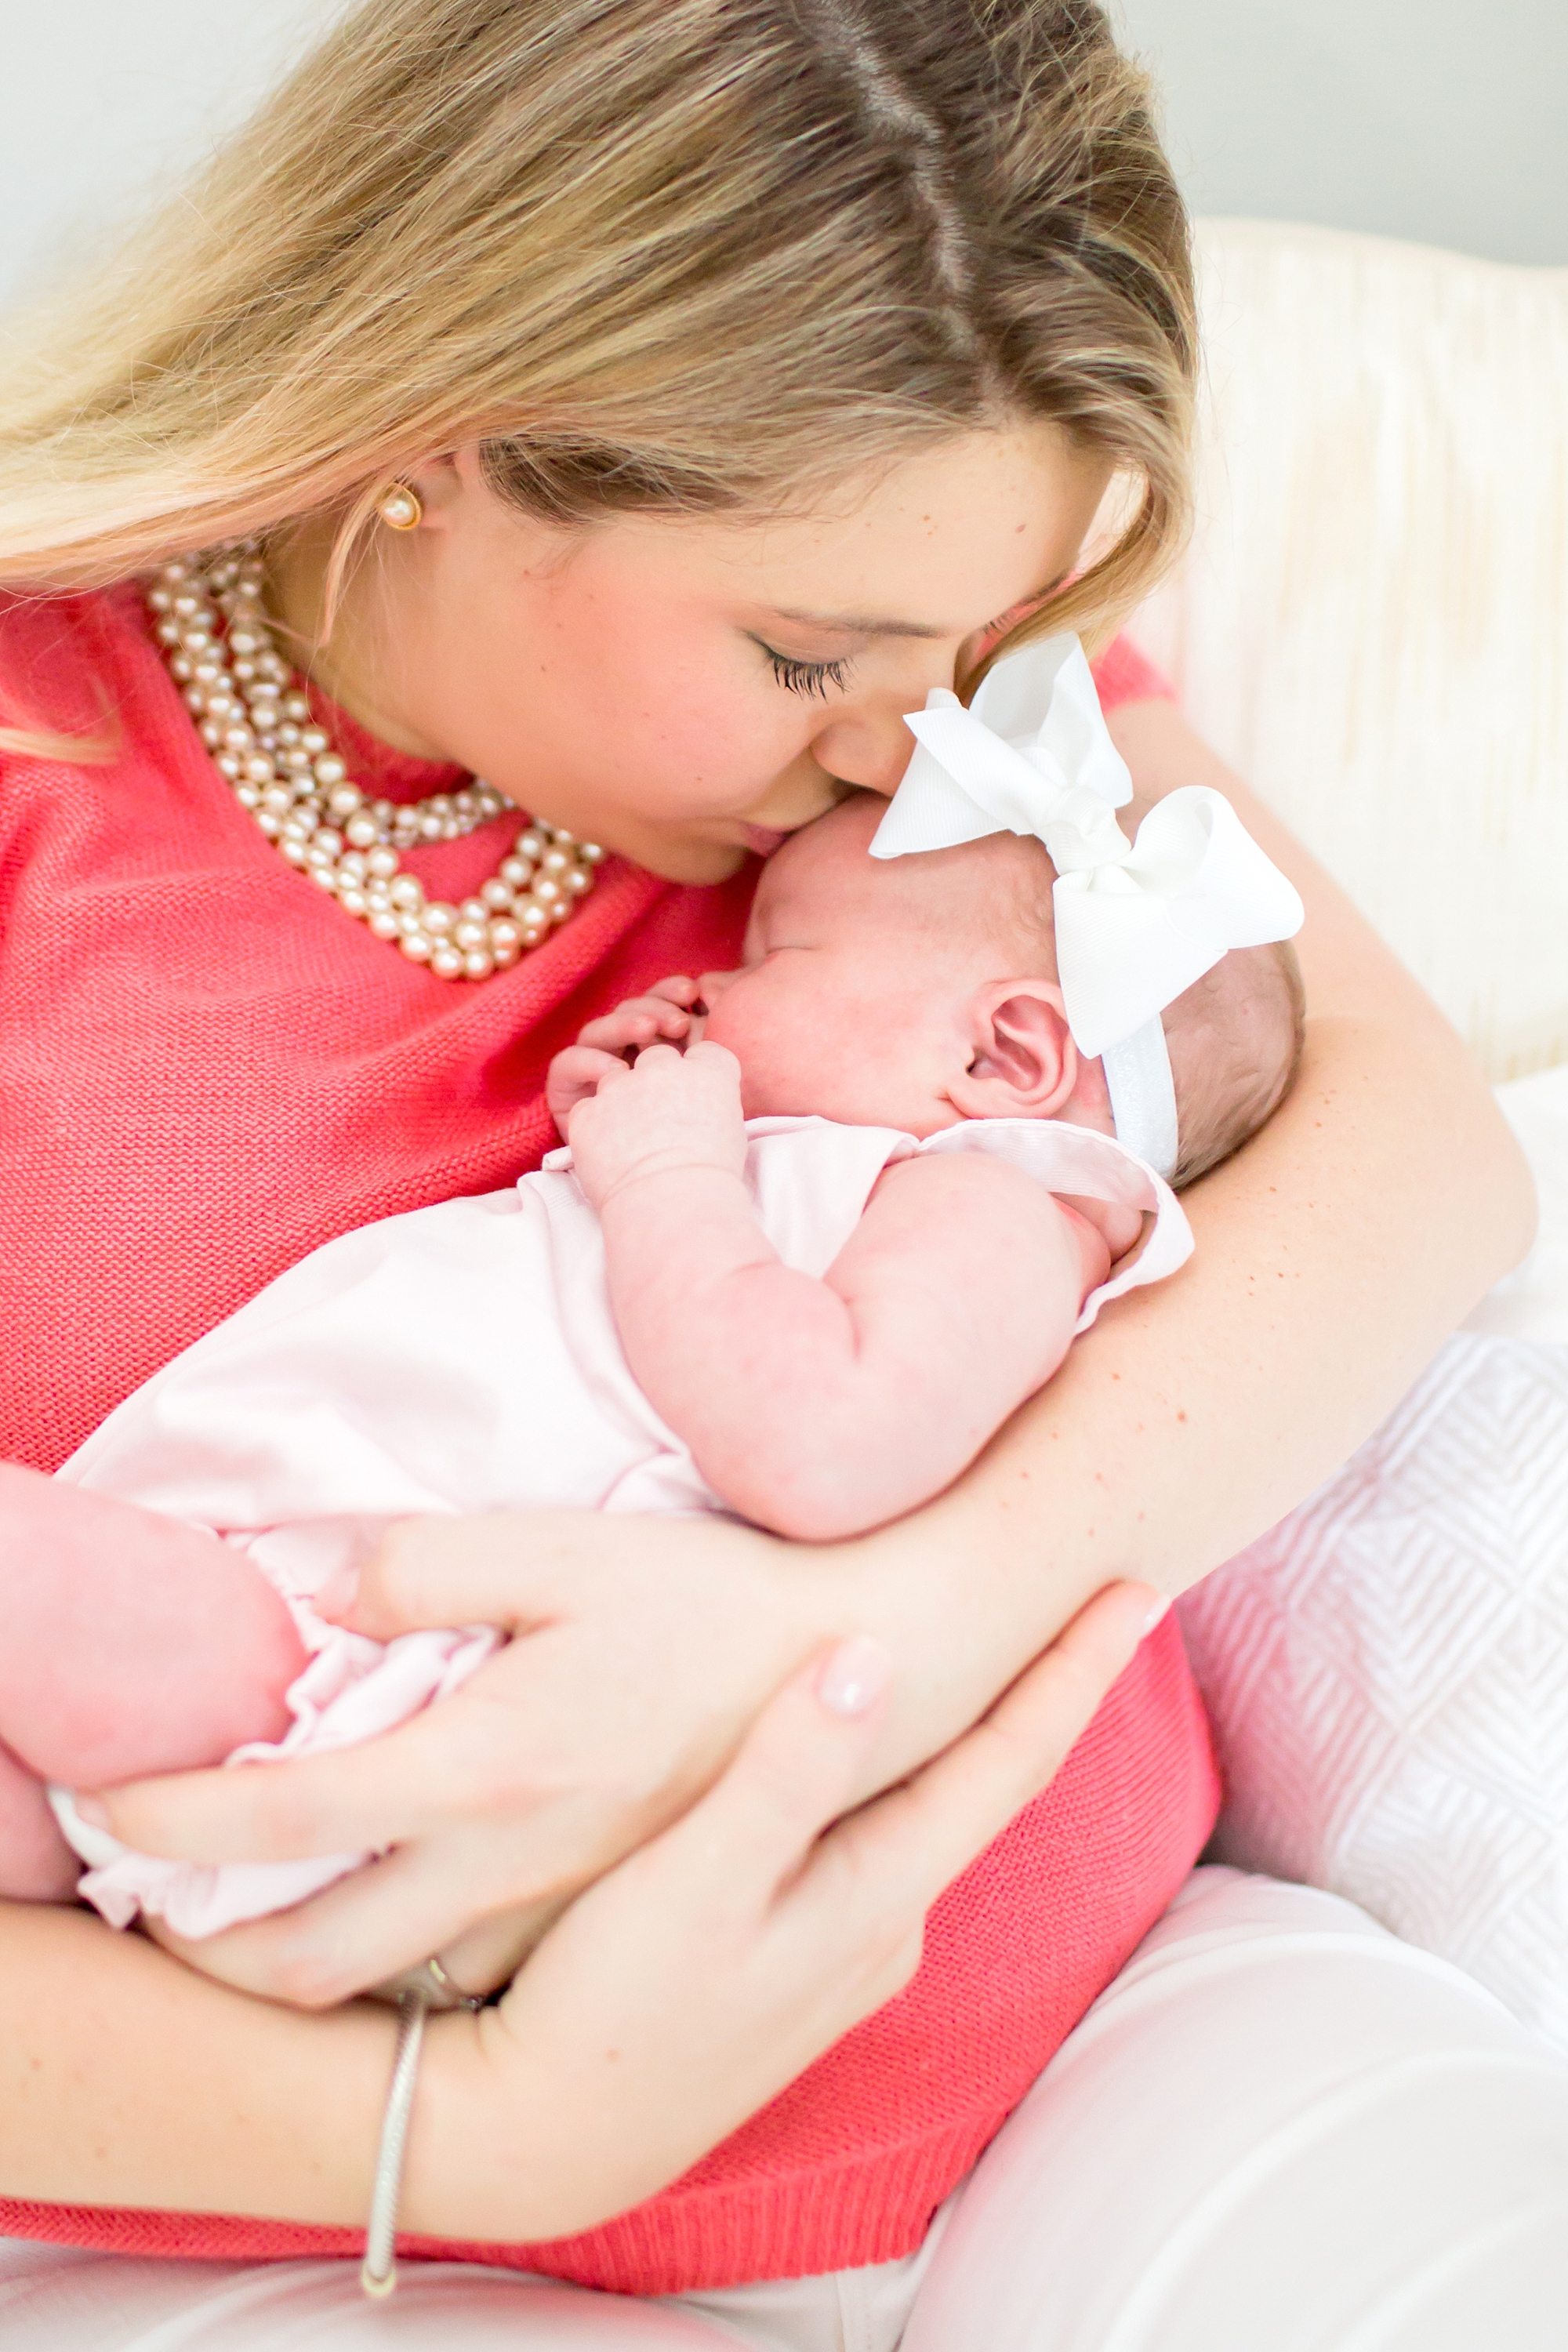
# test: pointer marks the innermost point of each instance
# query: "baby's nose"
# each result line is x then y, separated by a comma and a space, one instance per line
712, 985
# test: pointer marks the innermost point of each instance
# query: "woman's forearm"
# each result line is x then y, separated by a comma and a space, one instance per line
128, 2081
1334, 1255
125, 2080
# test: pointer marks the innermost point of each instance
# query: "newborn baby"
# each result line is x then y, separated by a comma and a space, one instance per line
801, 1271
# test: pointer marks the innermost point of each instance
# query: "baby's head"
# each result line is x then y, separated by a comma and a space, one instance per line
916, 991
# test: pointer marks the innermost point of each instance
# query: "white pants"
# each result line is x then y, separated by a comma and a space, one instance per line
1279, 2130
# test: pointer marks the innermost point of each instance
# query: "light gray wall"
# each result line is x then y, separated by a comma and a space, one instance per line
1444, 120
1433, 118
103, 103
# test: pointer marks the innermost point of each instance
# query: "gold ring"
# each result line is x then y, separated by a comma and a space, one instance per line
430, 1984
448, 1994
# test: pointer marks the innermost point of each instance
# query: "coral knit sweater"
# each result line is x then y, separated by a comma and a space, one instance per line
206, 1069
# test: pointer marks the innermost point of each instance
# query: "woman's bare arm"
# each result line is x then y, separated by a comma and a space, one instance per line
126, 2080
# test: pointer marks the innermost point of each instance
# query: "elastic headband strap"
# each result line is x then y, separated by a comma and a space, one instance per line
1143, 1096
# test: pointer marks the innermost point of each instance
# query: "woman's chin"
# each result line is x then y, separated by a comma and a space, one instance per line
697, 862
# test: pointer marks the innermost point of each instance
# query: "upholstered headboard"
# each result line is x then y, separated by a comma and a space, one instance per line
1372, 624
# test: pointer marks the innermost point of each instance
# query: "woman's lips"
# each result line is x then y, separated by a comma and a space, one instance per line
761, 840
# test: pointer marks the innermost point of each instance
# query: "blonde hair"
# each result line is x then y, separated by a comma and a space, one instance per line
693, 255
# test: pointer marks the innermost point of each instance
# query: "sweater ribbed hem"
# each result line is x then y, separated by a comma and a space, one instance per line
855, 2213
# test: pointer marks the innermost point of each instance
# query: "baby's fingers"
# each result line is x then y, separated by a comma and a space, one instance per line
678, 988
576, 1075
643, 1021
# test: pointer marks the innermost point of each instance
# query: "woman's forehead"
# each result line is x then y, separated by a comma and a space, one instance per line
935, 545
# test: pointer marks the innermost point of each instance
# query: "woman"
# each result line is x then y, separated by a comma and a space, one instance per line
640, 407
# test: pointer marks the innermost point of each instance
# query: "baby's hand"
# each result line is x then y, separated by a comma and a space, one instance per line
664, 1013
667, 1113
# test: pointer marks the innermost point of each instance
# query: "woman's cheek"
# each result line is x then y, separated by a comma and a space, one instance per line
728, 743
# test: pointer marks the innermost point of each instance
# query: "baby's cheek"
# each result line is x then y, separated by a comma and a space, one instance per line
795, 1078
754, 1044
728, 1022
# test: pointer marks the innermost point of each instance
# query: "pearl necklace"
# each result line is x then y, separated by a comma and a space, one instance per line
256, 720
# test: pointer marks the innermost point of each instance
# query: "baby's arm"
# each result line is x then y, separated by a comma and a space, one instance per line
128, 1644
819, 1408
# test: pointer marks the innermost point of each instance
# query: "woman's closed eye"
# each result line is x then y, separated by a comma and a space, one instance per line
808, 677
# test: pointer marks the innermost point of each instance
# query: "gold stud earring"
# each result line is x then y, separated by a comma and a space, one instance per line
400, 508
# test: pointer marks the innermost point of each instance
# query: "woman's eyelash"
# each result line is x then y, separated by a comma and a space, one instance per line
808, 677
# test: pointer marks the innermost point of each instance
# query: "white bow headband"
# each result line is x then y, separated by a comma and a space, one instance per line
1135, 926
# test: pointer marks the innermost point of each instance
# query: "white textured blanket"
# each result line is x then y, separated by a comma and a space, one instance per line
1387, 1669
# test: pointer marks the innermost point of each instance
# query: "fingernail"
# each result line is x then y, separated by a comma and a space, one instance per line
337, 1592
854, 1676
1162, 1608
95, 1815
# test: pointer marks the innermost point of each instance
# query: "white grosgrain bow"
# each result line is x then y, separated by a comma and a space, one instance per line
1031, 754
1134, 933
1135, 926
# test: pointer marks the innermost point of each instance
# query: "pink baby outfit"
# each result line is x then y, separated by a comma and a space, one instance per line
463, 1358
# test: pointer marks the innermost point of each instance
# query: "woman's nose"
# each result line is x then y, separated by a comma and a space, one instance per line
869, 747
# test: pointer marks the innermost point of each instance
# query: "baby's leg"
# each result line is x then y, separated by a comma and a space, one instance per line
36, 1863
128, 1644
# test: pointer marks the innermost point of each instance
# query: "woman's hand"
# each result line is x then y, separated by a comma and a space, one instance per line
694, 1981
676, 1995
641, 1651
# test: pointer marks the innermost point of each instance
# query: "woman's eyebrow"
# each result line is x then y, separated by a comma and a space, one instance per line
861, 624
872, 624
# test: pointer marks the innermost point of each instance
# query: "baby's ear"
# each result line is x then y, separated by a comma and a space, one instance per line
1023, 1064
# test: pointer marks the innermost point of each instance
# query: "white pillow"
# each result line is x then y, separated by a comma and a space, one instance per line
1387, 1669
1370, 623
